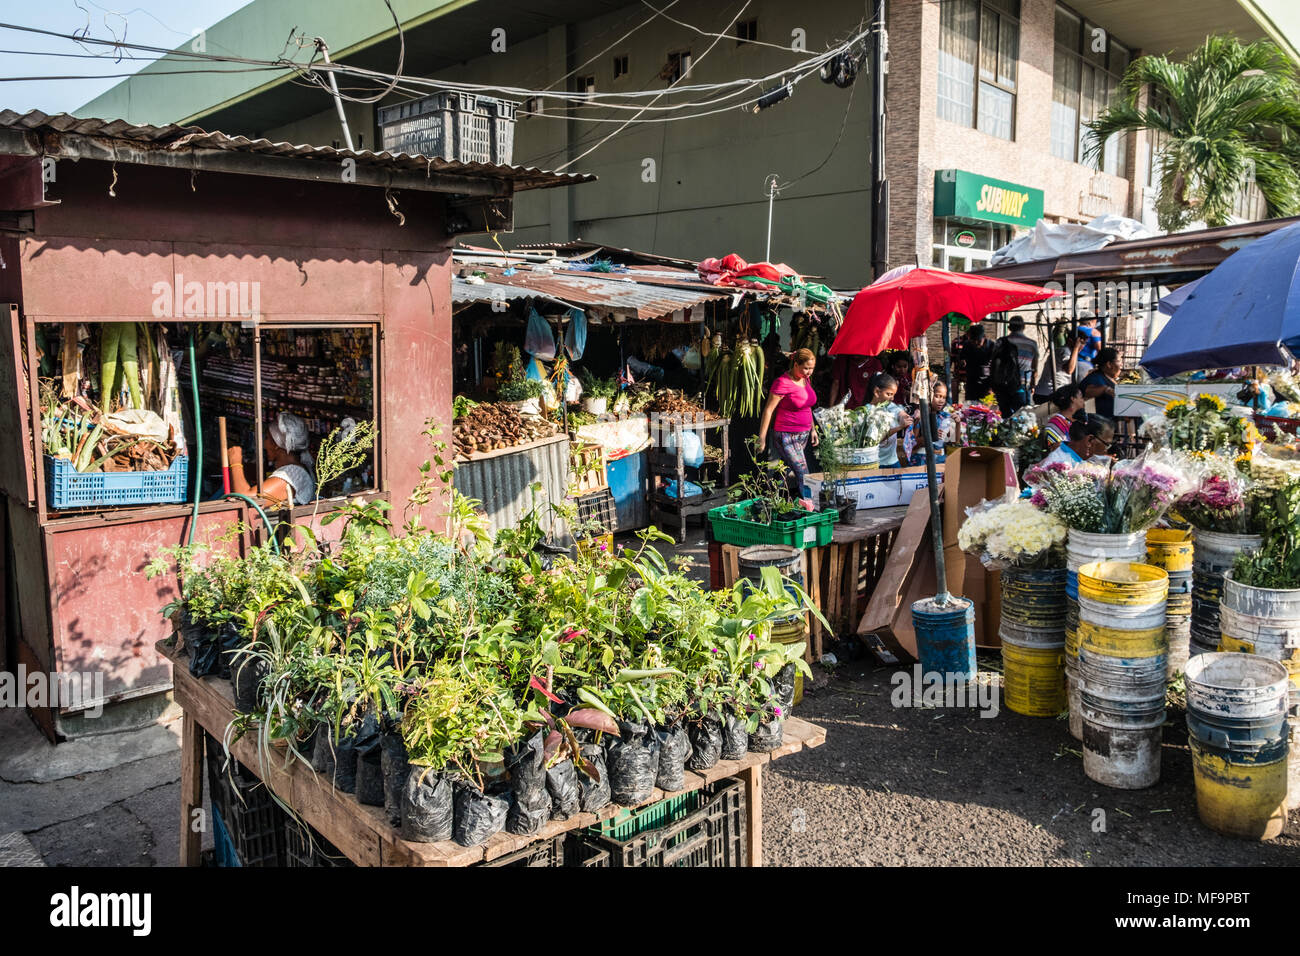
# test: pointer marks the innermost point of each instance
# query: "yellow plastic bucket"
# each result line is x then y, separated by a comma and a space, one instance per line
792, 632
1123, 583
1170, 549
1117, 642
1033, 679
1240, 797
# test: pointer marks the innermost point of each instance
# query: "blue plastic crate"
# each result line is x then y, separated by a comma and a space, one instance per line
68, 488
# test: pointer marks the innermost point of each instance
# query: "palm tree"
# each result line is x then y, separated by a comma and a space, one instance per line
1229, 115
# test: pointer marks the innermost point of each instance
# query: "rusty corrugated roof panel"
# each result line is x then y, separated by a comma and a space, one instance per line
183, 138
611, 293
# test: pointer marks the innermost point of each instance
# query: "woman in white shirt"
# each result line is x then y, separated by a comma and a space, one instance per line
284, 449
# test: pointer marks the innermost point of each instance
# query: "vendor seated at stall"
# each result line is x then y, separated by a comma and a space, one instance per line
1068, 401
284, 448
1090, 437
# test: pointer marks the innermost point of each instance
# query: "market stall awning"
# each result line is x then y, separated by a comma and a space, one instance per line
618, 295
1245, 312
1187, 254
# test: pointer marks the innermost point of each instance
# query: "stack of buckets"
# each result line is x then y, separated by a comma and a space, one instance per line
1215, 552
1171, 550
1122, 668
789, 562
1032, 630
1237, 730
1266, 623
1083, 548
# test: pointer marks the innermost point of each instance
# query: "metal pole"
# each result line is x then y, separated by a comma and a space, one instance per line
771, 199
936, 520
947, 360
879, 185
334, 86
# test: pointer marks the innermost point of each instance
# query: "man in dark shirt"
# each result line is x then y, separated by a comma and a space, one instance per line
1100, 383
977, 354
851, 375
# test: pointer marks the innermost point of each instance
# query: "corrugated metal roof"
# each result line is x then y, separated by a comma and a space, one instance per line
1179, 254
615, 294
192, 138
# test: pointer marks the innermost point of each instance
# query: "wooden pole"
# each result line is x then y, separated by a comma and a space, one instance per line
225, 455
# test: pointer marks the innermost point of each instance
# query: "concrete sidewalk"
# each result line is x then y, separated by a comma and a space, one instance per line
112, 800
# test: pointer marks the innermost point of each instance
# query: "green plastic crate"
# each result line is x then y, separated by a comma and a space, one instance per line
813, 530
629, 823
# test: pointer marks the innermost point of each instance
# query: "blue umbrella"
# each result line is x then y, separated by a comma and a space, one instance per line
1244, 312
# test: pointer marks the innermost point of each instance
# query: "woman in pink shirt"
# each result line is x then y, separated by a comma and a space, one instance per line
788, 413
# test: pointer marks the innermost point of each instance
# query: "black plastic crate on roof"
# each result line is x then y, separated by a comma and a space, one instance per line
459, 126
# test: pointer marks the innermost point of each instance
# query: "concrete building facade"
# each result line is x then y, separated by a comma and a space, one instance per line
985, 101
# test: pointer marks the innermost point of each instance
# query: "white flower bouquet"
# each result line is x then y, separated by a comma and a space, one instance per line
1012, 533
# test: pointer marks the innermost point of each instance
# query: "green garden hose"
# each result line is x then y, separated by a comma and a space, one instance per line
197, 462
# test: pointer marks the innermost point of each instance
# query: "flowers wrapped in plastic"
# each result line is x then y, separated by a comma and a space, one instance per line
1011, 533
1217, 499
1107, 497
1019, 429
844, 428
981, 423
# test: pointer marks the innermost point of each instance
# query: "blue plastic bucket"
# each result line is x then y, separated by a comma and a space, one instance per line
945, 637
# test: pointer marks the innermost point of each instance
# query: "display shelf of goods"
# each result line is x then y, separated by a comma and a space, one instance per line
734, 524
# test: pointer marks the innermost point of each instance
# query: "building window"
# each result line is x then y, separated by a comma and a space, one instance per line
587, 84
979, 50
678, 66
620, 66
1086, 72
965, 246
746, 32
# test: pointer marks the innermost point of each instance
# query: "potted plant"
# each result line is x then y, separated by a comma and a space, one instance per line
597, 392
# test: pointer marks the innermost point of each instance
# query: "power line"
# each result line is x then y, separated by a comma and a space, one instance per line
706, 33
707, 51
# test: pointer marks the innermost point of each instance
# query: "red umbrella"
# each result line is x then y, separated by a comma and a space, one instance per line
888, 315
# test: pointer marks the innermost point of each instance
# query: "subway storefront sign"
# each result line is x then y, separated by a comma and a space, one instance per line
968, 196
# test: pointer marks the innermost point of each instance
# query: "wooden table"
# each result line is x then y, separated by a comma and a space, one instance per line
840, 577
362, 833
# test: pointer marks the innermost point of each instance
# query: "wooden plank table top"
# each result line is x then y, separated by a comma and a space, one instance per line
362, 832
867, 524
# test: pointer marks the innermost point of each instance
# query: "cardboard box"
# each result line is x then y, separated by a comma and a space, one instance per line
973, 475
880, 487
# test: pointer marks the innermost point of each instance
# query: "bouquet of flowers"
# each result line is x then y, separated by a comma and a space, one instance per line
843, 428
1202, 425
1142, 489
1011, 532
1275, 513
1107, 498
1071, 493
1284, 385
981, 423
1018, 430
1218, 498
